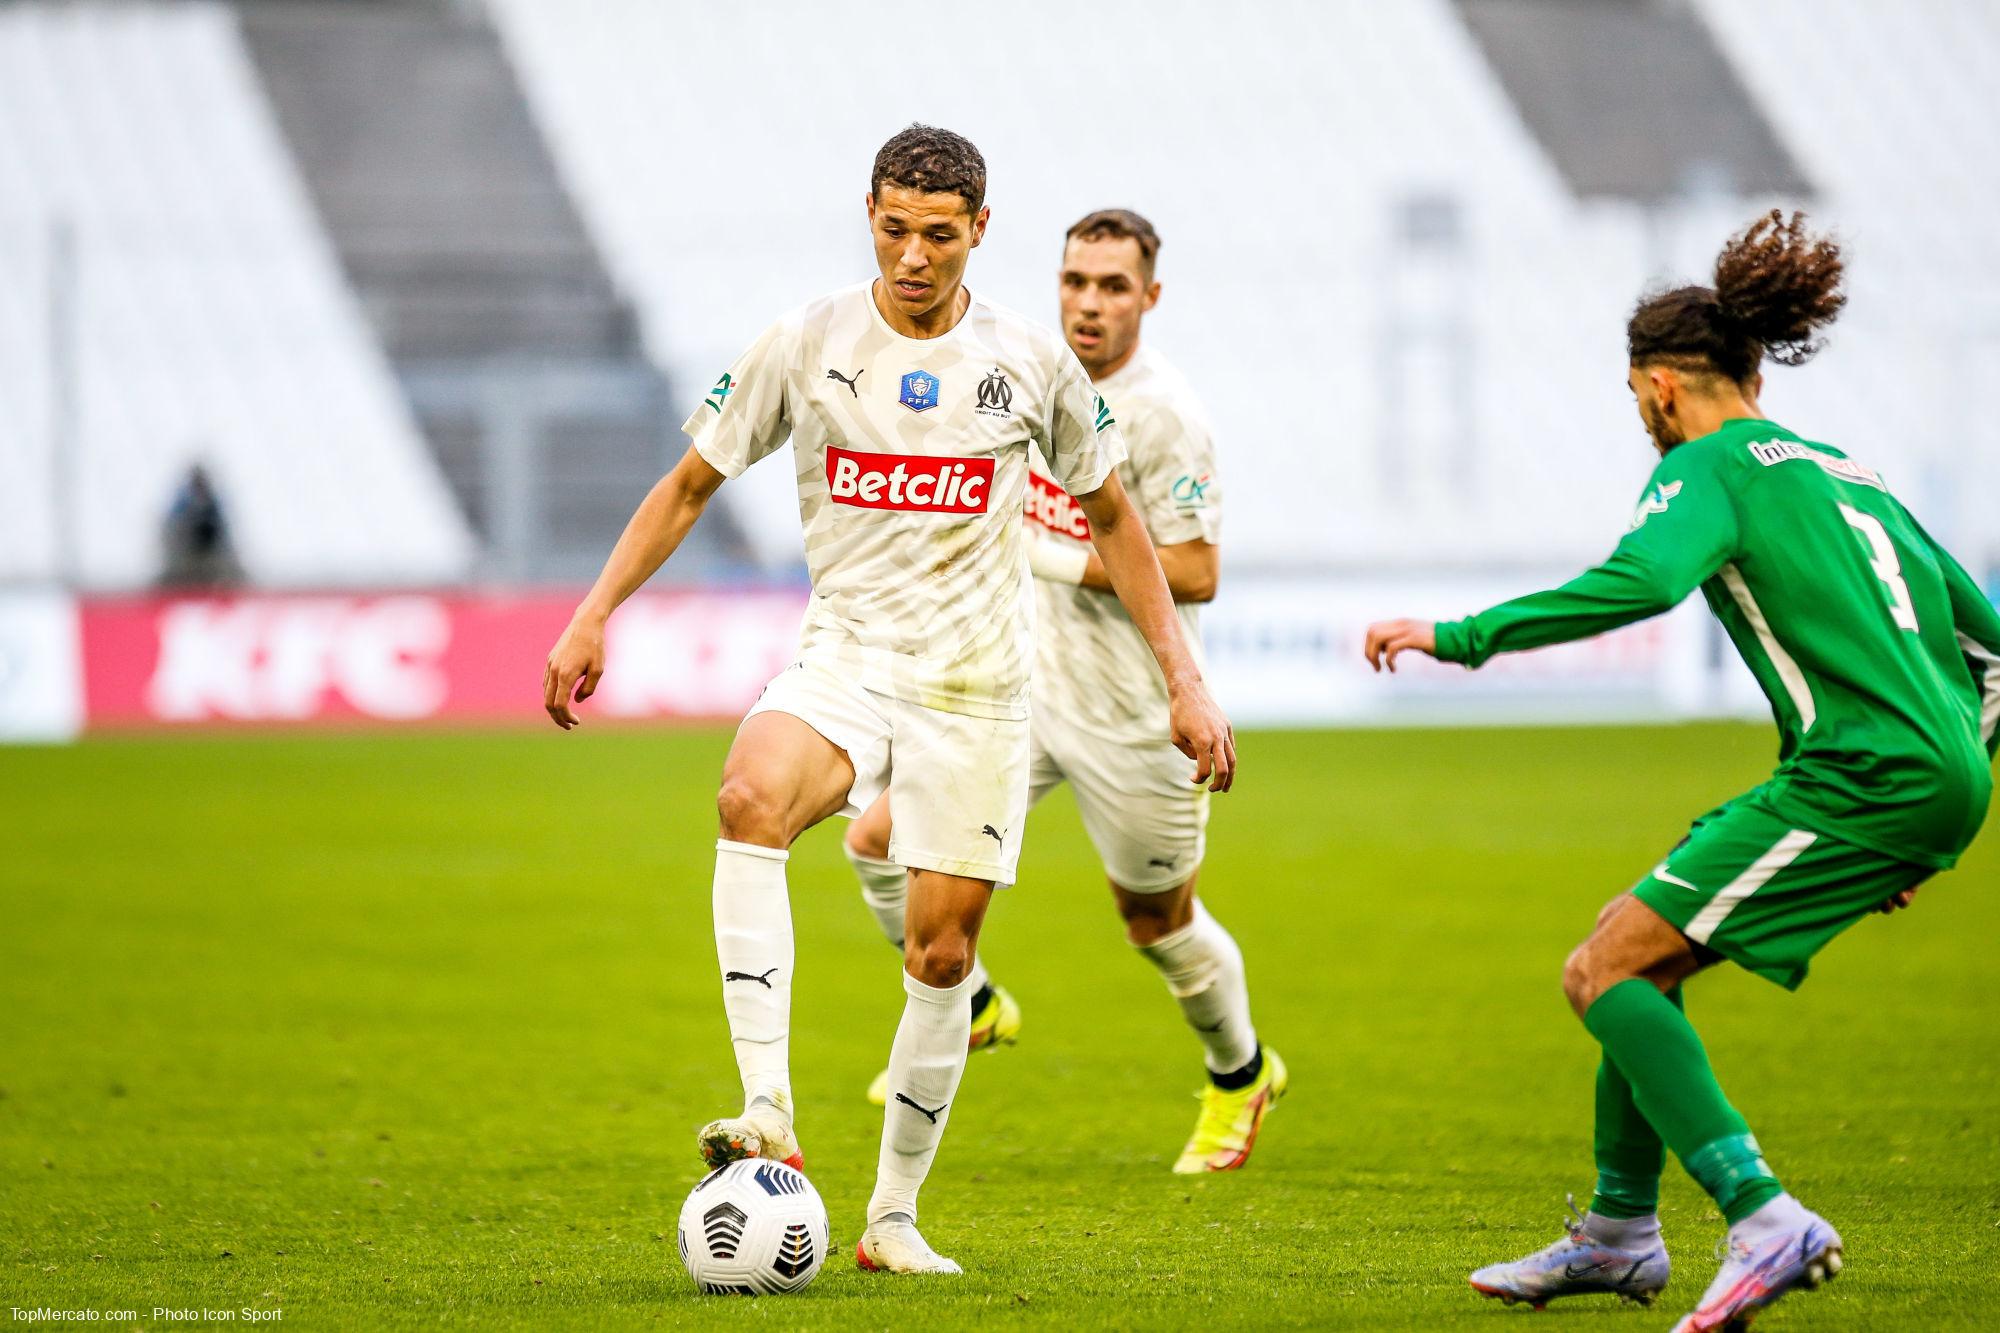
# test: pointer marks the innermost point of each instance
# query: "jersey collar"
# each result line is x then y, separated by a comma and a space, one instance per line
972, 303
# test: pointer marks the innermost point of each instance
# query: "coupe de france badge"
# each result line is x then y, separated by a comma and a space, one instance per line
919, 391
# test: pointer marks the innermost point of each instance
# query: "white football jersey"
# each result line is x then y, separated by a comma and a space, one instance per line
1092, 666
912, 457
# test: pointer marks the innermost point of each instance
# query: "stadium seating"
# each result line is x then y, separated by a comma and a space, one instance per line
1891, 108
722, 164
1406, 325
721, 160
210, 321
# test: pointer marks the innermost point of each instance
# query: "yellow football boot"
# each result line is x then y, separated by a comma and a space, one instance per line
1227, 1128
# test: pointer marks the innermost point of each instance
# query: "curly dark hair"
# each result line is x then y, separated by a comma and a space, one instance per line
935, 161
1776, 286
1118, 222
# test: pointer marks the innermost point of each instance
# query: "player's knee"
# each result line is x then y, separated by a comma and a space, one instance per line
1151, 917
866, 840
1579, 979
749, 812
942, 962
1150, 920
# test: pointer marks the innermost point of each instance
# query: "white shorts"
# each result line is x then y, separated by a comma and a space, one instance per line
1145, 816
959, 798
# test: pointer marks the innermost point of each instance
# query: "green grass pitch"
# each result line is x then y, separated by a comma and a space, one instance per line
411, 1030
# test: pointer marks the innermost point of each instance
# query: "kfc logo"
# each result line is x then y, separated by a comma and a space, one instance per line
287, 659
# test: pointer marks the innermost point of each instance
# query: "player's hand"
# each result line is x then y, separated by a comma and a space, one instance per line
575, 666
1901, 900
1203, 734
1387, 638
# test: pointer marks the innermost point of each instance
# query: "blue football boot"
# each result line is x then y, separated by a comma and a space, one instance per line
1756, 1272
1576, 1266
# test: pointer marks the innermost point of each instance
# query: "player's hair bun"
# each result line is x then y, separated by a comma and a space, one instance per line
1777, 285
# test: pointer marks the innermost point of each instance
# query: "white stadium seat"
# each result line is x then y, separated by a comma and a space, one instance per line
211, 322
720, 154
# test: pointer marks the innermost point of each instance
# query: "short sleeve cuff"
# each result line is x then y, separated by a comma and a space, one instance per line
1182, 526
1108, 460
711, 455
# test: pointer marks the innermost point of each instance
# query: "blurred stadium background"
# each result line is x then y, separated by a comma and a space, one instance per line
339, 337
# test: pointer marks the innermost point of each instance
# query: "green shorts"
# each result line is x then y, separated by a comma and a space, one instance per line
1768, 896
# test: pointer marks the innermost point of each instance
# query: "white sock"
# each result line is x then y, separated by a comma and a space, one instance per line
1623, 1233
924, 1068
885, 887
976, 981
753, 943
1203, 969
1775, 1218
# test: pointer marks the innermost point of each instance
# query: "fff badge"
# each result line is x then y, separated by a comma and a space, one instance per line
920, 391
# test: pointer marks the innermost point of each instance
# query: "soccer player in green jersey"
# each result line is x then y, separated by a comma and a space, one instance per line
1881, 658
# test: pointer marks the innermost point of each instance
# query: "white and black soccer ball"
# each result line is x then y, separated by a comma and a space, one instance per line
753, 1228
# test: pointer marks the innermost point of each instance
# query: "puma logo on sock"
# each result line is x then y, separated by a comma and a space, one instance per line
764, 980
925, 1113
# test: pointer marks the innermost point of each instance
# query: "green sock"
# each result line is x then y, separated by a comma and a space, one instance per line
1630, 1155
1656, 1049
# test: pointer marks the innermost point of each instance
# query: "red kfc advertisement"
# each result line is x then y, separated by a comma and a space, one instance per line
413, 657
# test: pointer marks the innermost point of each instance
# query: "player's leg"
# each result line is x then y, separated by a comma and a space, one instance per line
959, 800
1749, 888
1615, 1248
1618, 982
926, 1063
1202, 967
1149, 824
885, 886
782, 776
1630, 1156
996, 1015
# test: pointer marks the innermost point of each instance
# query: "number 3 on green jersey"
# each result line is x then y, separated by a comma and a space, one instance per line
1882, 555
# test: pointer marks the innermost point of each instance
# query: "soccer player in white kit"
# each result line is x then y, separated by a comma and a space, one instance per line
1100, 706
912, 406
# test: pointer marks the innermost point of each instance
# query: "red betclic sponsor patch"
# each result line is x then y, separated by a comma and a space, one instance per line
1055, 508
913, 483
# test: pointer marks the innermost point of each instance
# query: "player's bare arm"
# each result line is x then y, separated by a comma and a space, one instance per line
1389, 638
655, 532
1201, 732
1193, 570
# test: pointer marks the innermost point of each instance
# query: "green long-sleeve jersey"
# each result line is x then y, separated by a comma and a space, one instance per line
1879, 653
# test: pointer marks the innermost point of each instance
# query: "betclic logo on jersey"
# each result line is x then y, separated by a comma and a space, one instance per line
1056, 509
911, 483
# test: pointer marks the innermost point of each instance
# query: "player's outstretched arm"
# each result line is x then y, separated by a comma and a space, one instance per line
1201, 732
1684, 531
656, 530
